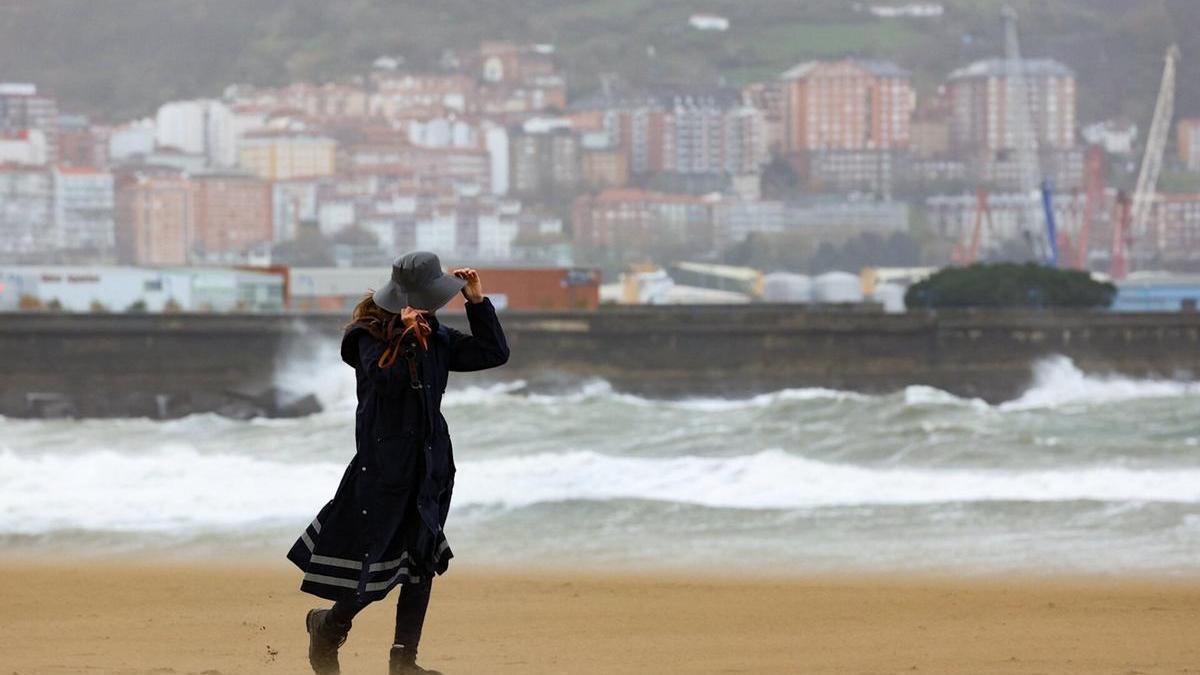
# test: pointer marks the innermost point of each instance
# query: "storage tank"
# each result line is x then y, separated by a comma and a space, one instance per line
837, 288
787, 287
891, 296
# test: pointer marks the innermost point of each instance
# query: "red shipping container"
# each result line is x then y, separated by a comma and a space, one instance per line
538, 289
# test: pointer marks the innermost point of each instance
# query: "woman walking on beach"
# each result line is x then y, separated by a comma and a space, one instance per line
383, 526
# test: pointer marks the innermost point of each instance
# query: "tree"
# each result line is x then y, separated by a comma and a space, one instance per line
771, 251
309, 249
868, 249
778, 179
1009, 285
355, 235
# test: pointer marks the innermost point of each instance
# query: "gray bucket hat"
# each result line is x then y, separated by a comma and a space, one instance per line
419, 282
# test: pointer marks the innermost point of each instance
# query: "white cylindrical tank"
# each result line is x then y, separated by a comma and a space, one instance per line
787, 287
837, 288
891, 296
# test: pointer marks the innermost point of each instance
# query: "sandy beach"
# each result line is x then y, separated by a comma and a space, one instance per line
161, 618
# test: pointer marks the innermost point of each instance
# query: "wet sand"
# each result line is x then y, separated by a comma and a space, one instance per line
167, 618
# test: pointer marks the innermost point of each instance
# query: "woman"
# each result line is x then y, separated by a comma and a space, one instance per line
383, 527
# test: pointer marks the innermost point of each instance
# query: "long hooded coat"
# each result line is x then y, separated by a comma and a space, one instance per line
384, 524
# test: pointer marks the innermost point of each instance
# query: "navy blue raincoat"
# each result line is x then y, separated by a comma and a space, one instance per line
384, 524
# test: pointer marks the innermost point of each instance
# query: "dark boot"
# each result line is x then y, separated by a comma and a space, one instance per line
324, 638
403, 661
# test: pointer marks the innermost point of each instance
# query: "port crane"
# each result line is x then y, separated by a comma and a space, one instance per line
1133, 212
968, 253
1093, 186
1043, 241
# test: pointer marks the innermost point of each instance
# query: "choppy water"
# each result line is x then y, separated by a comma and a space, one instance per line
1081, 473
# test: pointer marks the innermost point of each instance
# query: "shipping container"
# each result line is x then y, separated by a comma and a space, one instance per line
542, 289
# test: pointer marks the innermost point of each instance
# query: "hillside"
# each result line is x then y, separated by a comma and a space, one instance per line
120, 58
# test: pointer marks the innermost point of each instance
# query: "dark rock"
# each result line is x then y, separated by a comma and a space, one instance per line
268, 402
300, 407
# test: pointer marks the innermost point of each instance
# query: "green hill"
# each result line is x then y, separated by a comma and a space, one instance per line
120, 58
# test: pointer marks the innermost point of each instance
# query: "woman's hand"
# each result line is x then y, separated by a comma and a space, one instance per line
473, 291
415, 322
410, 315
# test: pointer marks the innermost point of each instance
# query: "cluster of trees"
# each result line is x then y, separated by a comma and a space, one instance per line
795, 252
1010, 285
311, 248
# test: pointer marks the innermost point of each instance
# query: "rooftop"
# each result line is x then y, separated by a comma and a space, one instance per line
876, 67
999, 68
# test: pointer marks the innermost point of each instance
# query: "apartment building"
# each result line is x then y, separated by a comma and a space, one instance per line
980, 115
155, 218
850, 104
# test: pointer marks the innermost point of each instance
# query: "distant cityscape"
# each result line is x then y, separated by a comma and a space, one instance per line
489, 159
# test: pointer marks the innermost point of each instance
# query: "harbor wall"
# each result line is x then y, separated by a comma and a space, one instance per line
166, 365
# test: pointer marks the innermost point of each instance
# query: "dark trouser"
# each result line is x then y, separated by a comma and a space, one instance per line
410, 611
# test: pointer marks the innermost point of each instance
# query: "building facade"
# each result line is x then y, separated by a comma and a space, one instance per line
232, 215
86, 288
846, 105
544, 160
286, 155
1187, 138
83, 210
199, 127
635, 222
1174, 225
22, 108
26, 214
155, 219
980, 121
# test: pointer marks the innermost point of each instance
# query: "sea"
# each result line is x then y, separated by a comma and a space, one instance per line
1081, 474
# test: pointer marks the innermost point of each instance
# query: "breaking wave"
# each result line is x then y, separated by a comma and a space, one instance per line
1082, 471
1057, 382
179, 488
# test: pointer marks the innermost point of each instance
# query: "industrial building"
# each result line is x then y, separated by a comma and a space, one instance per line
335, 289
1157, 292
85, 288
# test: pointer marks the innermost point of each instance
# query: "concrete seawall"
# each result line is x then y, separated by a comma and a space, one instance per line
168, 365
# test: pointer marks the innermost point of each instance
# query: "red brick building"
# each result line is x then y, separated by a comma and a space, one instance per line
846, 105
1187, 137
155, 219
978, 95
233, 214
545, 289
427, 166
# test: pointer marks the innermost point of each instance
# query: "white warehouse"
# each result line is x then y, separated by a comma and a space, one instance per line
83, 288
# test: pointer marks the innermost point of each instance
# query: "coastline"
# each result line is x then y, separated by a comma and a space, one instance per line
133, 615
239, 364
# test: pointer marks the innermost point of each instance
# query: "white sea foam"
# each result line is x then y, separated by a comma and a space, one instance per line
776, 480
179, 488
1059, 382
321, 373
801, 449
921, 395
